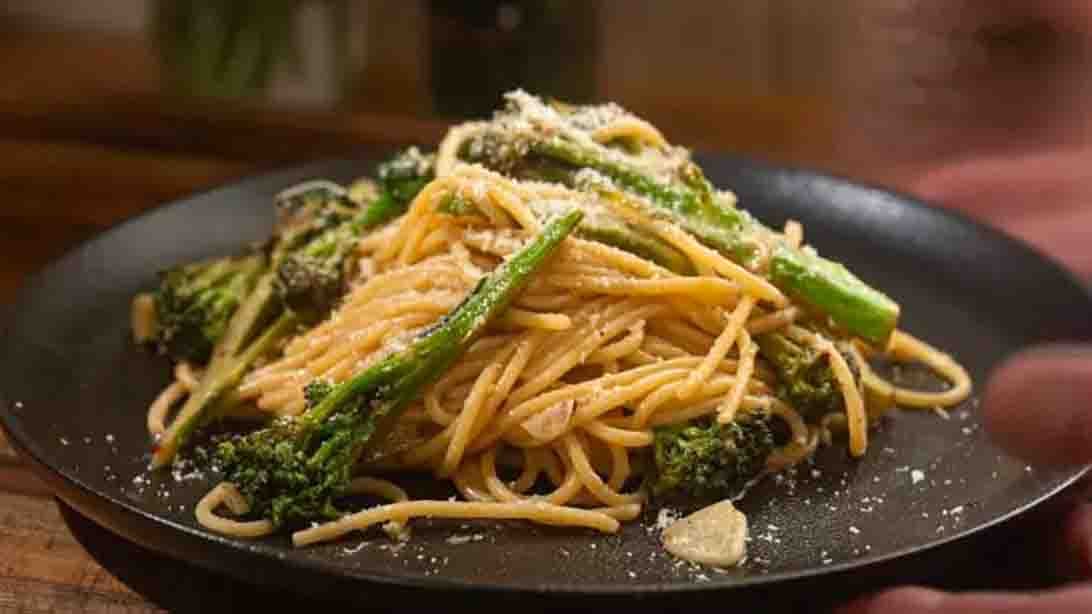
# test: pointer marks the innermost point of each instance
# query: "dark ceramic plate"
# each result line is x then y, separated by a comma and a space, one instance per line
73, 392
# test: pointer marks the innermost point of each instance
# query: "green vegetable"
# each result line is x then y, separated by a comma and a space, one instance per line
295, 469
807, 382
682, 195
601, 227
705, 460
829, 287
401, 178
453, 204
687, 200
317, 228
313, 278
310, 261
217, 385
406, 174
259, 324
616, 233
194, 303
309, 208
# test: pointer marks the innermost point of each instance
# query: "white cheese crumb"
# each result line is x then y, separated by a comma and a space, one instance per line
355, 549
666, 517
916, 476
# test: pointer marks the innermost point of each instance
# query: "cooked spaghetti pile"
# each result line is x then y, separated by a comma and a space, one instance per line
559, 315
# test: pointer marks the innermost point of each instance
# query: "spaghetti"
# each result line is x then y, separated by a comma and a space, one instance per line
603, 347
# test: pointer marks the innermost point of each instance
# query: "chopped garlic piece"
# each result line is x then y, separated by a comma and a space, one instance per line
715, 535
550, 423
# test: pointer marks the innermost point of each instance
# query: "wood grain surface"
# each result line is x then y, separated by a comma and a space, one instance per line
52, 559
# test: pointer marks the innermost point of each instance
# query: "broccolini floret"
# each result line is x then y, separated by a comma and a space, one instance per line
313, 278
296, 469
805, 379
316, 390
705, 460
194, 303
401, 178
305, 272
405, 174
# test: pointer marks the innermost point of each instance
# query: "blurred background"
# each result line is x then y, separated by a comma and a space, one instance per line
129, 103
109, 108
690, 67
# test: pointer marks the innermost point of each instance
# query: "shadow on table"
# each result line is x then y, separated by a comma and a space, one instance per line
170, 584
1000, 559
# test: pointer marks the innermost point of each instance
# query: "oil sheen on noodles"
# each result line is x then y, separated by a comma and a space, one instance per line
602, 347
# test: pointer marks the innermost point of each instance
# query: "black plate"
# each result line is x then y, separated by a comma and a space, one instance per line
74, 391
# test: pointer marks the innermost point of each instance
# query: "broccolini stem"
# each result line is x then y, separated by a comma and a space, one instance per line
824, 285
220, 378
633, 240
806, 380
689, 204
194, 303
399, 379
830, 288
259, 308
600, 228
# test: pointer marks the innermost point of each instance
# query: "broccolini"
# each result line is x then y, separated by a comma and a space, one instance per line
704, 460
296, 468
194, 302
806, 380
681, 194
308, 267
312, 278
